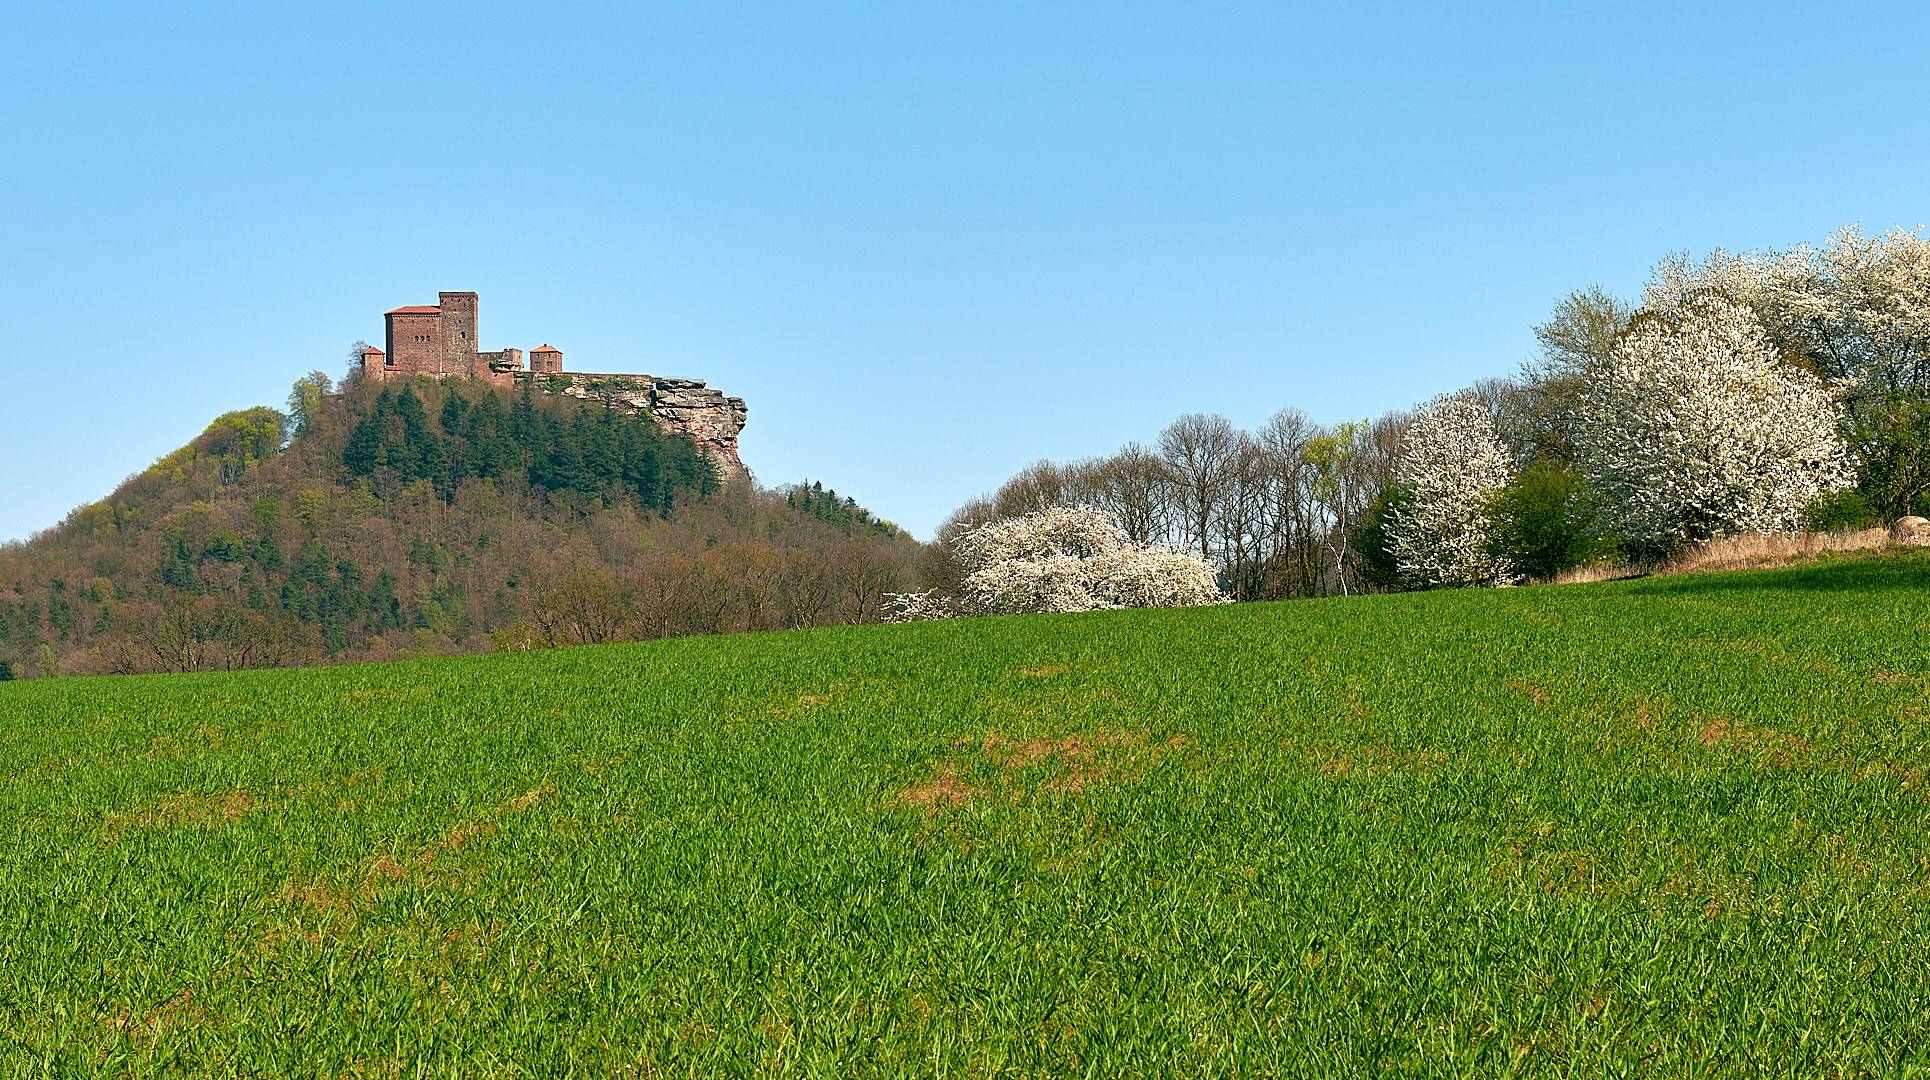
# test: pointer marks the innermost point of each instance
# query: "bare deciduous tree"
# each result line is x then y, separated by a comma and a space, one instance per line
1200, 452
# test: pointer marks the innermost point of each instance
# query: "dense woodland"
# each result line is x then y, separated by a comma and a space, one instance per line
428, 518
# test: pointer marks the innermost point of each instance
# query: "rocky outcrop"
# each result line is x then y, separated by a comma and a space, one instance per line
1914, 531
703, 415
683, 407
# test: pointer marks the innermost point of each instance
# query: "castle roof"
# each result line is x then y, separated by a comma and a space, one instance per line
373, 349
418, 310
545, 348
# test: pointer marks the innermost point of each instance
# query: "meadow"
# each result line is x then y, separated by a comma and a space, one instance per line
1668, 826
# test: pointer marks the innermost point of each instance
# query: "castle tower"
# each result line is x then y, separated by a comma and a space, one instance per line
414, 339
458, 334
545, 358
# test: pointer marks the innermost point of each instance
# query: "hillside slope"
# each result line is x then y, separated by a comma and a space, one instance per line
426, 518
1668, 826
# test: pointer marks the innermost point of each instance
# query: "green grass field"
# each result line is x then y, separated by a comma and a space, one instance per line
1665, 827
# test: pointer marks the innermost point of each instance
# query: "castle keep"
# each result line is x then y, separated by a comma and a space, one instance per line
443, 341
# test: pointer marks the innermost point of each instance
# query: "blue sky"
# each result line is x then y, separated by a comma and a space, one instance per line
928, 243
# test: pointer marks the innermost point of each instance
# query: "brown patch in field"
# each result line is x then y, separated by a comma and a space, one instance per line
318, 896
205, 737
468, 831
943, 789
527, 799
1039, 672
782, 705
189, 811
1539, 695
463, 833
1782, 750
1010, 768
1086, 759
1716, 730
1374, 761
386, 867
800, 705
179, 1011
1765, 649
1564, 871
364, 886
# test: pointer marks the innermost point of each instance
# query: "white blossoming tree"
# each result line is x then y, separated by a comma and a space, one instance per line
1064, 559
1857, 309
1451, 465
1697, 429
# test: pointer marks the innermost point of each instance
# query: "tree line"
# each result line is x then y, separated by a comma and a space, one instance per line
1756, 392
1273, 509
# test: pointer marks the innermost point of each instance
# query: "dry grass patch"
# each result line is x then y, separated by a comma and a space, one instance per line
1369, 761
362, 887
943, 788
792, 703
1008, 769
1750, 551
1539, 696
189, 811
1777, 748
179, 1011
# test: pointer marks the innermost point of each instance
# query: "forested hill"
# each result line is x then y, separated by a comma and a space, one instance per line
427, 518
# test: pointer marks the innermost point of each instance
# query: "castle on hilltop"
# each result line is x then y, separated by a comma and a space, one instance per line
443, 342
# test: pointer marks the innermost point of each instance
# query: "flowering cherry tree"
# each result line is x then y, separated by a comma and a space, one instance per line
1698, 429
1064, 559
1451, 465
1857, 308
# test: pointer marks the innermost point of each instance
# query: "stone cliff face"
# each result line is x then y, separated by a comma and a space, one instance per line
684, 407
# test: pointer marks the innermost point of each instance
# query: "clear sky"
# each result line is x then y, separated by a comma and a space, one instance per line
929, 243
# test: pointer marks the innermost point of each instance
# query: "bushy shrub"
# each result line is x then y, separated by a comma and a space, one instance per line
1893, 440
1377, 566
1843, 510
1540, 523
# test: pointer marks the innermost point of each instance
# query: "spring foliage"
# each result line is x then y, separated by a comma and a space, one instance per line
1698, 429
1451, 466
1856, 309
1066, 559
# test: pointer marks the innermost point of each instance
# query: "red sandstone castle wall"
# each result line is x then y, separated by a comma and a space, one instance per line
415, 341
442, 340
459, 318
